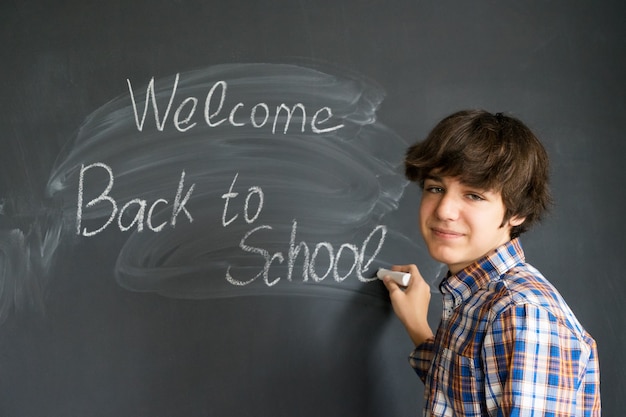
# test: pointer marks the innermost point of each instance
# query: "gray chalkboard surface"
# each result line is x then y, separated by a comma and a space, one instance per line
194, 196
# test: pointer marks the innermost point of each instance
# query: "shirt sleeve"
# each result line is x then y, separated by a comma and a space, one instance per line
535, 365
421, 358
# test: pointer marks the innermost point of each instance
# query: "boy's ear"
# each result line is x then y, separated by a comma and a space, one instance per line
516, 220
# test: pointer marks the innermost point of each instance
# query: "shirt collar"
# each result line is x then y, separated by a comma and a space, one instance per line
468, 281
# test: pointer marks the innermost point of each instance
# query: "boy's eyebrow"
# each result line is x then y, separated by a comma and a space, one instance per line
438, 178
433, 177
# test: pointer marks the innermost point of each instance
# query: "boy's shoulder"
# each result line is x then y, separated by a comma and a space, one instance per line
524, 285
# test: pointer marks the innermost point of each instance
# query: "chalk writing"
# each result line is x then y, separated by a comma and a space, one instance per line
237, 179
252, 191
258, 115
310, 264
178, 206
359, 262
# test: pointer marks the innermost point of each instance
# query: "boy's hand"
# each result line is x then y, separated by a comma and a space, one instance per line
411, 304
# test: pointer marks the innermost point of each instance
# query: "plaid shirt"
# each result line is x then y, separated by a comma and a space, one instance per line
507, 345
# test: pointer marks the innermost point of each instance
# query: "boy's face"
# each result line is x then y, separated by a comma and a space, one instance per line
460, 223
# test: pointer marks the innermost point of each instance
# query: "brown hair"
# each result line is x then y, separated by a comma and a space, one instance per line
492, 152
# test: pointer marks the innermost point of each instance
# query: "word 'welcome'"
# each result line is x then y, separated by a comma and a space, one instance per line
258, 115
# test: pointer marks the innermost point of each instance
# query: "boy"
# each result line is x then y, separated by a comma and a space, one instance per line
507, 344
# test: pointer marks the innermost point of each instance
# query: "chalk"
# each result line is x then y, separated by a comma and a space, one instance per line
401, 278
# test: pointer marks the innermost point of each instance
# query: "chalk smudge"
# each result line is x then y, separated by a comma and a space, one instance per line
331, 188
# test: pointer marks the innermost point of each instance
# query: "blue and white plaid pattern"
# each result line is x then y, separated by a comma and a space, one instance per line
507, 345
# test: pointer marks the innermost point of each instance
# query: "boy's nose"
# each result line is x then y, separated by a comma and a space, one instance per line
448, 208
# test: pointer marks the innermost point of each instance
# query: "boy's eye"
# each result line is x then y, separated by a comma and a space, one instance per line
434, 189
475, 197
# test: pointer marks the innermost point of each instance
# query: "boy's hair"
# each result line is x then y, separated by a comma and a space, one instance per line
491, 152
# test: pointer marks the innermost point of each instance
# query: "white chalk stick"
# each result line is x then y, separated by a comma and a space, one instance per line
401, 278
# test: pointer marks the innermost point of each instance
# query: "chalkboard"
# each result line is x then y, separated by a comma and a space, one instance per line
194, 196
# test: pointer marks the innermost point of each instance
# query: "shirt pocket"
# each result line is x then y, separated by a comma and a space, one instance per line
459, 383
